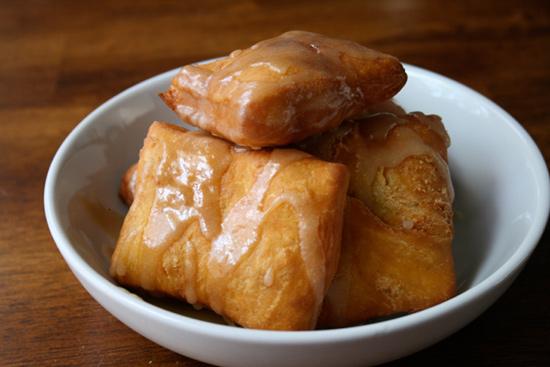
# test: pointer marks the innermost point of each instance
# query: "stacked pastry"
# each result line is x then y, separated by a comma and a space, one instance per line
309, 200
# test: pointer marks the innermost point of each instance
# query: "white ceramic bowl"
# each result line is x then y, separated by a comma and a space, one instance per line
502, 202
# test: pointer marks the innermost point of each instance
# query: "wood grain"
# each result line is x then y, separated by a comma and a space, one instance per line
59, 60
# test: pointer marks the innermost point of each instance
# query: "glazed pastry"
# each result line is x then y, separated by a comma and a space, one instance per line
254, 235
128, 185
396, 247
283, 89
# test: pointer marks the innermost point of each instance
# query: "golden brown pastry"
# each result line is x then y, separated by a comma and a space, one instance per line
254, 235
284, 89
128, 185
396, 247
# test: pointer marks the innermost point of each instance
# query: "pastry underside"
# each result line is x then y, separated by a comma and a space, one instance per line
396, 248
283, 89
253, 235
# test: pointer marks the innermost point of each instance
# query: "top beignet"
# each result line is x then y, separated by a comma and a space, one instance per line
283, 89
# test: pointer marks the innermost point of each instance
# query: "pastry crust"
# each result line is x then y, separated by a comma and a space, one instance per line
254, 235
396, 248
284, 89
128, 185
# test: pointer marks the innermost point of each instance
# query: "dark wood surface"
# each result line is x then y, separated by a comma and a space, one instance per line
60, 60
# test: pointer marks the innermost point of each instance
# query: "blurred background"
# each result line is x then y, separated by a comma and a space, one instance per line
61, 59
55, 52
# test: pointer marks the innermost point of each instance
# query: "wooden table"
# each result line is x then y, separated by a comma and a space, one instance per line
59, 60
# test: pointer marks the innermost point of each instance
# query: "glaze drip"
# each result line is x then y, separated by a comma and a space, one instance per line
240, 226
190, 271
312, 254
190, 190
187, 176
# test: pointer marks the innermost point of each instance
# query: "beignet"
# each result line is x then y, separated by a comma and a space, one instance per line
283, 89
254, 235
396, 247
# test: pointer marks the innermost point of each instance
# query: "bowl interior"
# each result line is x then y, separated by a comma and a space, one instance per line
491, 162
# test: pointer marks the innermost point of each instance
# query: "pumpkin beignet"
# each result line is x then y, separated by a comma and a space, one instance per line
396, 247
284, 89
254, 235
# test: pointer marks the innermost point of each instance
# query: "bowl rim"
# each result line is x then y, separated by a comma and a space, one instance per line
84, 271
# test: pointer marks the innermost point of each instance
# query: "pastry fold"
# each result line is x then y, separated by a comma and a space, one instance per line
283, 89
396, 247
254, 235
